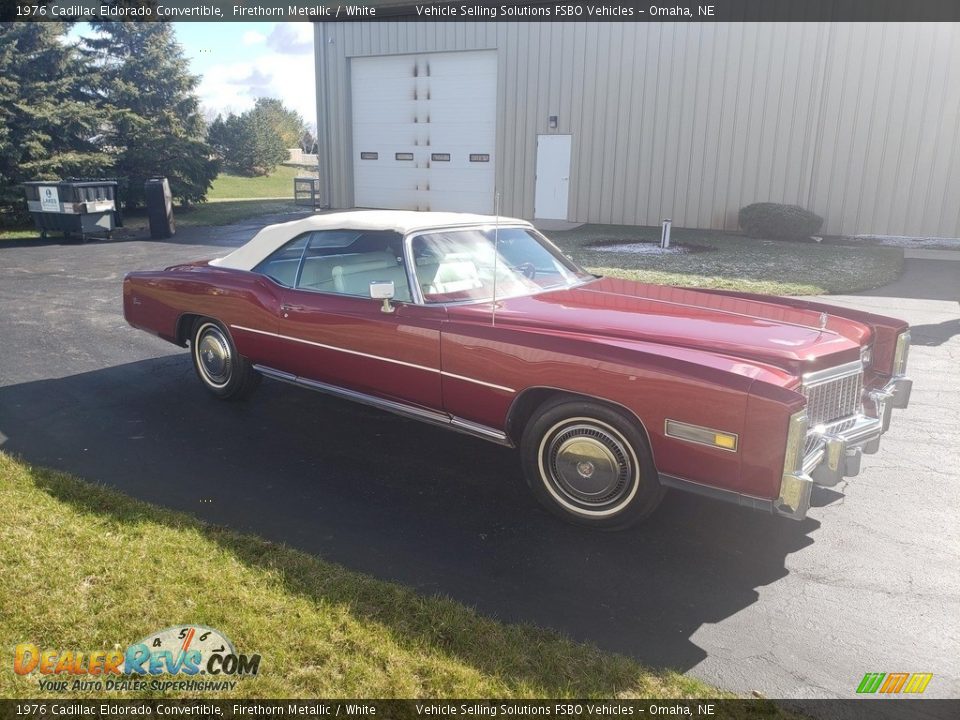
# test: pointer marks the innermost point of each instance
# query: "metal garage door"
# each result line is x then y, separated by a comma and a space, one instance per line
424, 130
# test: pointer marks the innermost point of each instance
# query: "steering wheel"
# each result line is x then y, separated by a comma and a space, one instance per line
528, 269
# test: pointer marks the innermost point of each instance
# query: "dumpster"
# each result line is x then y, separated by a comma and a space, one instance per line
76, 208
159, 208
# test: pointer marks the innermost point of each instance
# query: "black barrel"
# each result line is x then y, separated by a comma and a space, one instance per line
159, 208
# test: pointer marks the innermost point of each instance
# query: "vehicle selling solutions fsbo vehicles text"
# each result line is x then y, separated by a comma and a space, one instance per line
560, 11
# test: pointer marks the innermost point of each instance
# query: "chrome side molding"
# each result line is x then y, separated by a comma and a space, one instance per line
445, 420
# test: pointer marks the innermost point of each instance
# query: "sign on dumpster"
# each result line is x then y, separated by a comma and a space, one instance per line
49, 199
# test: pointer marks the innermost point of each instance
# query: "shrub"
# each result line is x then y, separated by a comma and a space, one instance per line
782, 222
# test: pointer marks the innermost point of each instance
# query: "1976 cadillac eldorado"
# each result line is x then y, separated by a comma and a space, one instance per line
612, 390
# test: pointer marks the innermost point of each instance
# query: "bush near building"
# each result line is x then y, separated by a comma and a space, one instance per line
779, 222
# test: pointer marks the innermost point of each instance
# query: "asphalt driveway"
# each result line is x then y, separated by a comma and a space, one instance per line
869, 583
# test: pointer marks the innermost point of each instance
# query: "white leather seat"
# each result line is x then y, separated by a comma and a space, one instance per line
447, 275
318, 271
355, 279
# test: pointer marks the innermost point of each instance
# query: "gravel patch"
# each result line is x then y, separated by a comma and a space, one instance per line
642, 249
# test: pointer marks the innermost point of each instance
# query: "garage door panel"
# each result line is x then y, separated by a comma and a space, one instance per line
482, 88
398, 199
454, 201
391, 91
395, 138
459, 181
463, 136
439, 103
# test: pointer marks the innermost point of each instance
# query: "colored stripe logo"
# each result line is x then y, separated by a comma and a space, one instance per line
894, 683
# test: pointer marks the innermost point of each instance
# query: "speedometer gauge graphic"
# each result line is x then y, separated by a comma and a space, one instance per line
183, 638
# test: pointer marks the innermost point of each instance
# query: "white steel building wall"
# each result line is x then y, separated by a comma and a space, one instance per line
858, 122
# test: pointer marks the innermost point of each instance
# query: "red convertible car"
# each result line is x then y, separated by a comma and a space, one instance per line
612, 390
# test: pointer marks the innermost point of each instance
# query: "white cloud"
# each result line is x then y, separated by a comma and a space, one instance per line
291, 38
234, 87
252, 37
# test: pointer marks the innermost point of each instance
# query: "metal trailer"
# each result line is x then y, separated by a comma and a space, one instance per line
306, 191
73, 207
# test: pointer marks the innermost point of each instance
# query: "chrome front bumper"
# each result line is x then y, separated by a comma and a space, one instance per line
833, 452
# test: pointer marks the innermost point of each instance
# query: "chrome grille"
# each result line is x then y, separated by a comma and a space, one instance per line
815, 439
833, 395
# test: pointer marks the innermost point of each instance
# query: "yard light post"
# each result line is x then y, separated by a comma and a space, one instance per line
665, 234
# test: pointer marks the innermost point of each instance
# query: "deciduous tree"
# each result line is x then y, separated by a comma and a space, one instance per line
249, 143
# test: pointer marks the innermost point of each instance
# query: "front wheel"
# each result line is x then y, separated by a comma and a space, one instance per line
590, 464
221, 369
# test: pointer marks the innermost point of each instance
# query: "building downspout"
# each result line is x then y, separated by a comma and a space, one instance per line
321, 65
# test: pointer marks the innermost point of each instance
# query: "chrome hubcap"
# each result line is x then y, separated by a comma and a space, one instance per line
213, 353
589, 464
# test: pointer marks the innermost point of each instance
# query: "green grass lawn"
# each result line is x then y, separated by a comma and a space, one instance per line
734, 262
25, 233
227, 212
278, 184
84, 567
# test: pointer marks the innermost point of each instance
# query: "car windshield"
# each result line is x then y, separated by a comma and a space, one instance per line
473, 264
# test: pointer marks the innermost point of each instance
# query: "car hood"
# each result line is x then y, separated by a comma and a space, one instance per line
756, 327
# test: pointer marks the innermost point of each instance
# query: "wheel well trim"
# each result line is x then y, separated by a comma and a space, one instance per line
183, 330
514, 432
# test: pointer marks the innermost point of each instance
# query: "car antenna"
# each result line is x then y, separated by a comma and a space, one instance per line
496, 254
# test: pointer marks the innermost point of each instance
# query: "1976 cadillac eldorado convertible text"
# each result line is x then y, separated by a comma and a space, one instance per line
612, 390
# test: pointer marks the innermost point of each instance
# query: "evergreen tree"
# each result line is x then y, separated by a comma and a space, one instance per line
49, 118
155, 123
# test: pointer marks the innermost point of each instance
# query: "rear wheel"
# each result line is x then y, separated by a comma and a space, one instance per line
222, 370
590, 464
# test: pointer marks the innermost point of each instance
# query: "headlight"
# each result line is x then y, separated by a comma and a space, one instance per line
795, 486
901, 353
796, 439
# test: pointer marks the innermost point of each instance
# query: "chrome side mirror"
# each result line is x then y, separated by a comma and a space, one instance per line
383, 290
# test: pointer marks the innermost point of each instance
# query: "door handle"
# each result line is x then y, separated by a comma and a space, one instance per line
285, 309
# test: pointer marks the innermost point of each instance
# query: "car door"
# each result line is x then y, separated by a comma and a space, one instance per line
336, 334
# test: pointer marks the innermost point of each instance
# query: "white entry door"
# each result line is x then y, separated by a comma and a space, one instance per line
552, 191
424, 131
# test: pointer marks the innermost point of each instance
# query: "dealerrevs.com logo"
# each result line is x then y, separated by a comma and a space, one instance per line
187, 657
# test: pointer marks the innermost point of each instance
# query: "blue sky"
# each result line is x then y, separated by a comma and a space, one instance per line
240, 61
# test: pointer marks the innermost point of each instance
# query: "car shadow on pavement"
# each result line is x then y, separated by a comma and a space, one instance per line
437, 511
934, 334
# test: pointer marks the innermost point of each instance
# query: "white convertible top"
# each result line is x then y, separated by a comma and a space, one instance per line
248, 256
